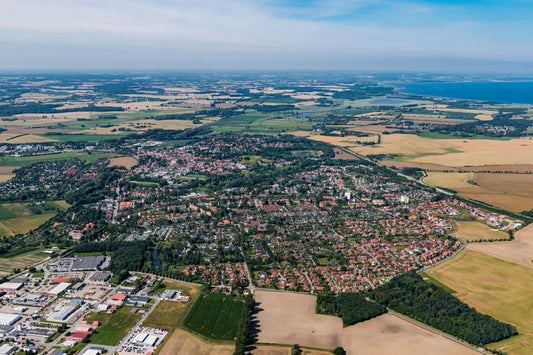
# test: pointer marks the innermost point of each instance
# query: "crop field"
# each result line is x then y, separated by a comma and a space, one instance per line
342, 155
453, 181
496, 287
290, 318
215, 316
167, 315
14, 138
452, 152
519, 250
20, 260
127, 162
113, 326
284, 350
181, 342
14, 162
513, 192
469, 231
19, 218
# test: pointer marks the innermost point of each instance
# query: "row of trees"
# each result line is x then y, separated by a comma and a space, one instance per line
409, 294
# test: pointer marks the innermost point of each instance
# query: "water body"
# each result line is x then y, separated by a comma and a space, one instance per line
388, 101
155, 260
506, 92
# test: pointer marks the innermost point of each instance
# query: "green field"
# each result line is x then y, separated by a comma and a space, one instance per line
215, 316
27, 160
113, 326
167, 315
20, 218
20, 259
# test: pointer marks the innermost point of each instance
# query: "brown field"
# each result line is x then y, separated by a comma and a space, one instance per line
454, 181
477, 231
15, 138
451, 152
21, 261
519, 250
493, 286
289, 318
6, 177
341, 154
513, 192
284, 350
181, 342
127, 162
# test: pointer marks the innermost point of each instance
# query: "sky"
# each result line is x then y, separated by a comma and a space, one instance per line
361, 35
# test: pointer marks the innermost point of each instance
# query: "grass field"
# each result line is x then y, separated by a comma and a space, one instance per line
290, 318
470, 231
9, 161
215, 316
496, 287
20, 260
113, 326
453, 181
167, 315
20, 218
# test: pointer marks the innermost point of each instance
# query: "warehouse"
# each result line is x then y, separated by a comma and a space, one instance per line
9, 319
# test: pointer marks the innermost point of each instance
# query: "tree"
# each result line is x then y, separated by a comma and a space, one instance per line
339, 351
296, 350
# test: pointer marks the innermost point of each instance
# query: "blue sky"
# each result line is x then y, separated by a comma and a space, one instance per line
375, 35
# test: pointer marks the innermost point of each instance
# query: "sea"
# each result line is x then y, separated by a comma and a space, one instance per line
518, 92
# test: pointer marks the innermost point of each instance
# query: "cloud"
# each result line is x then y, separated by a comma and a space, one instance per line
239, 34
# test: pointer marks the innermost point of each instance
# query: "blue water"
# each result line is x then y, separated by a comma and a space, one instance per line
509, 92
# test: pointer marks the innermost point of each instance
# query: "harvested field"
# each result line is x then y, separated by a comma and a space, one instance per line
290, 318
500, 168
284, 350
496, 287
184, 343
127, 162
469, 231
23, 138
452, 152
453, 181
6, 177
513, 192
519, 250
342, 155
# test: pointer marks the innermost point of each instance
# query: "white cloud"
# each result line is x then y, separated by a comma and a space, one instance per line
223, 34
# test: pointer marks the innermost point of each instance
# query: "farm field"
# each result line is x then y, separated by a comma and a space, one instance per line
340, 154
453, 181
290, 318
469, 231
496, 287
181, 342
284, 350
215, 316
127, 162
15, 162
519, 250
113, 326
20, 260
513, 192
19, 218
167, 315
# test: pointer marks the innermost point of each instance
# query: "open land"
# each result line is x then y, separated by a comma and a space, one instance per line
499, 288
113, 326
182, 342
127, 162
471, 231
513, 192
21, 260
519, 250
290, 318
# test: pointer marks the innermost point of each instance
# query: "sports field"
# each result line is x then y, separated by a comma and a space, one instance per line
496, 287
290, 318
